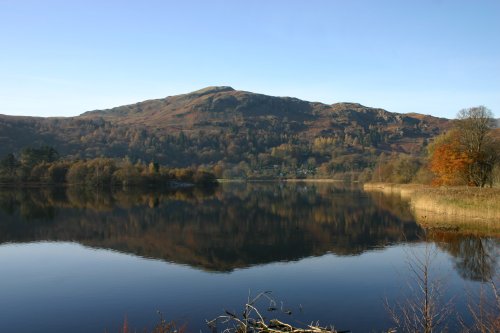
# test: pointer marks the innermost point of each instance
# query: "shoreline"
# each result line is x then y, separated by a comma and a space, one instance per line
462, 208
287, 180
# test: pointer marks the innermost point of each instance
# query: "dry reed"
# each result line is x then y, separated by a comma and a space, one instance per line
469, 208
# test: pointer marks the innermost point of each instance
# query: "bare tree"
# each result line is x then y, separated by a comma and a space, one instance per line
474, 125
486, 310
422, 310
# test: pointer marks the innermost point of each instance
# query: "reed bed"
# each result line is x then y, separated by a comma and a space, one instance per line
403, 190
470, 209
467, 208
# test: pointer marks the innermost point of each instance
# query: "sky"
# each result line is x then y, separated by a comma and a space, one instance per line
62, 58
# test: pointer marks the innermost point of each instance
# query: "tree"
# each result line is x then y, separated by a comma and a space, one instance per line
153, 168
468, 153
57, 172
77, 173
448, 161
397, 168
405, 169
474, 125
423, 309
9, 165
32, 156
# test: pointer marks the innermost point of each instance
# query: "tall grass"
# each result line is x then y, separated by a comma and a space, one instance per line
470, 208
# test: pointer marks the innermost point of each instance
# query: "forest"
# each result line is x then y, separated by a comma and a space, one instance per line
45, 166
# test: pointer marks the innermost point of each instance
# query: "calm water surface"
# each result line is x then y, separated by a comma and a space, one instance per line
81, 261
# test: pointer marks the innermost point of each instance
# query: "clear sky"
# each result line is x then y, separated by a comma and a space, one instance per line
61, 58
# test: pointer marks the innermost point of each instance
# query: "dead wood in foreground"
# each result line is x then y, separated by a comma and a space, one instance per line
252, 321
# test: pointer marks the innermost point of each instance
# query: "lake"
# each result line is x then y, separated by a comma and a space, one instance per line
86, 261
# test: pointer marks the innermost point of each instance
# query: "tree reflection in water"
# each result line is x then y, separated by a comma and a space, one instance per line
475, 258
235, 225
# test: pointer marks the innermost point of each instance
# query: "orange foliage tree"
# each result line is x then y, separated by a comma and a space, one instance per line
448, 161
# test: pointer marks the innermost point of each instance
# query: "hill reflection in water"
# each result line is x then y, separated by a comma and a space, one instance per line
233, 226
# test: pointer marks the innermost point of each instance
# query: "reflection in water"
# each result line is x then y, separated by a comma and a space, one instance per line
475, 258
236, 225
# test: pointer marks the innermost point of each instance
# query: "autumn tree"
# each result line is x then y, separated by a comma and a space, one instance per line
467, 154
448, 161
397, 168
474, 125
31, 157
57, 172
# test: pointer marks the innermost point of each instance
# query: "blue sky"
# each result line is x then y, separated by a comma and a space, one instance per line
61, 58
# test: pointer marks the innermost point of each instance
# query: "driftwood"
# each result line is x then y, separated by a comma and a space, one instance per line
252, 321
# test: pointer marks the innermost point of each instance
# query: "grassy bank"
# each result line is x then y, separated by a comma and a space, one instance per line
465, 208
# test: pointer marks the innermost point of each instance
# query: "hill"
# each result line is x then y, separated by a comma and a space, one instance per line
234, 132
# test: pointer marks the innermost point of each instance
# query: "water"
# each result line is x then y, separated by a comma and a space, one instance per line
84, 261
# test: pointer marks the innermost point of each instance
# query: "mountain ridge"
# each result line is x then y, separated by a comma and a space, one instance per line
211, 90
204, 105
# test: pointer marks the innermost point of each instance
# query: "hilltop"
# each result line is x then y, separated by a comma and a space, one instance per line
236, 132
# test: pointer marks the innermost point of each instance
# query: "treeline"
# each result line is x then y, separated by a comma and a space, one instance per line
467, 154
45, 166
264, 149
